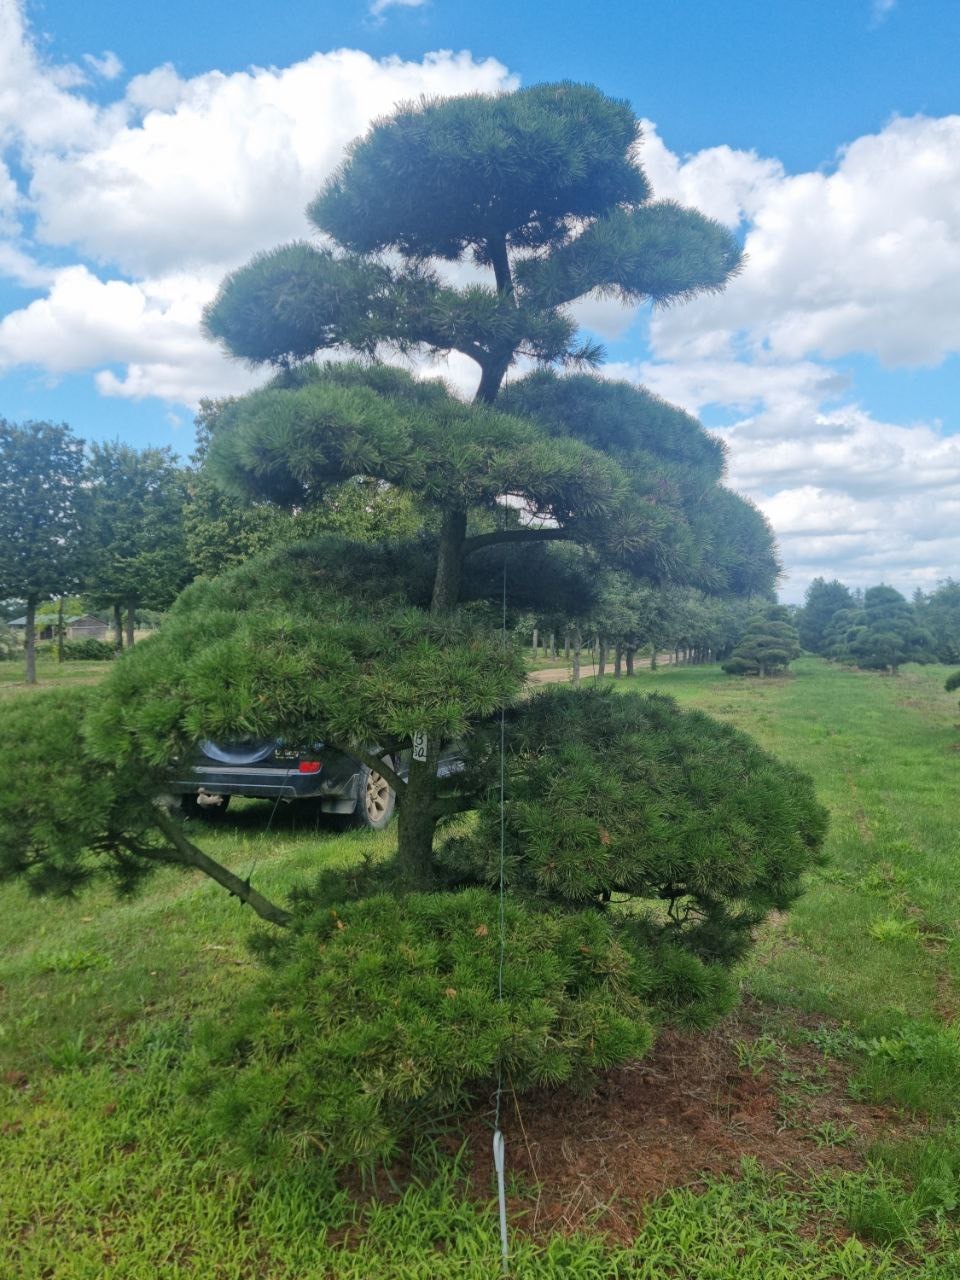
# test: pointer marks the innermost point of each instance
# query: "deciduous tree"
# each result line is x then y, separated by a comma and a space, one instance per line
44, 514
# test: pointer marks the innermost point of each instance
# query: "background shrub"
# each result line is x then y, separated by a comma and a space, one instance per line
87, 650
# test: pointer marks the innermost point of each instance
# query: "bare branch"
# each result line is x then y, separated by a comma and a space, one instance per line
188, 855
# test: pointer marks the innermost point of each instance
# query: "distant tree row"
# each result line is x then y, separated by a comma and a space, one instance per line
879, 629
127, 529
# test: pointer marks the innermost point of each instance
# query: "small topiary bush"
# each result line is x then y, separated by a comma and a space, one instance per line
382, 1014
87, 650
768, 646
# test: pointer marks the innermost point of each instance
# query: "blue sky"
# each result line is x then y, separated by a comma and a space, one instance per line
143, 158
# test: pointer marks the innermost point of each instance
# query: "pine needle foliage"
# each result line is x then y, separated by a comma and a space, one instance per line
378, 1018
316, 642
882, 635
66, 820
679, 825
768, 645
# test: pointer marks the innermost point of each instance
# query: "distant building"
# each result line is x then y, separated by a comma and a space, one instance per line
82, 627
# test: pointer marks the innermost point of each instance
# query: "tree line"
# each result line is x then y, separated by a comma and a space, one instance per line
879, 629
121, 530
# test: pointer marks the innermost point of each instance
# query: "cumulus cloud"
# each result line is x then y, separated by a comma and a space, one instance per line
865, 258
108, 66
848, 495
160, 193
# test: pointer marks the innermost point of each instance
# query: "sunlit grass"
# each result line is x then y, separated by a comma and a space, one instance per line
102, 1172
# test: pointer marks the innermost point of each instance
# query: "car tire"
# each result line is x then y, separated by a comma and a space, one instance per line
376, 800
190, 807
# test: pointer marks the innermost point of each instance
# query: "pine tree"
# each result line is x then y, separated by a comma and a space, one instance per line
889, 634
768, 645
822, 600
384, 1001
542, 189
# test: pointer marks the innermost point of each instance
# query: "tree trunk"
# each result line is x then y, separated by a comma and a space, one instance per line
535, 645
676, 657
446, 586
577, 643
417, 821
552, 647
566, 646
653, 658
131, 608
630, 653
416, 805
60, 630
617, 662
117, 627
602, 658
30, 638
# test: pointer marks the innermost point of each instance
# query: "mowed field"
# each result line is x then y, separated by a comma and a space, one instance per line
815, 1135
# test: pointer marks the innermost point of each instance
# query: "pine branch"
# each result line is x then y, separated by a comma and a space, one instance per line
552, 534
374, 762
188, 855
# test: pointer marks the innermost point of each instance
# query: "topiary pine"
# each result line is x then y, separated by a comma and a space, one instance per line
882, 635
625, 799
768, 645
362, 645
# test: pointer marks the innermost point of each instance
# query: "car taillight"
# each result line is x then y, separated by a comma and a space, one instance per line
309, 766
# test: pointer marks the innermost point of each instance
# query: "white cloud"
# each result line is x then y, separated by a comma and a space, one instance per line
220, 165
379, 7
108, 66
167, 189
863, 259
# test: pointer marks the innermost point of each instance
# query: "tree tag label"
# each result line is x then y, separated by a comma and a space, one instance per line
420, 747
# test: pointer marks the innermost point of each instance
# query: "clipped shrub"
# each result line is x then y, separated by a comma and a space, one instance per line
87, 650
769, 644
380, 1015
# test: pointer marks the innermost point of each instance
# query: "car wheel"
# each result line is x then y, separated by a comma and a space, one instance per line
191, 807
375, 800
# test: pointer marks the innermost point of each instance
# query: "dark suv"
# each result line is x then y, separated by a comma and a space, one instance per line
268, 769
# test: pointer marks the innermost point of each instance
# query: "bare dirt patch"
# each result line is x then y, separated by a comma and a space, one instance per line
694, 1108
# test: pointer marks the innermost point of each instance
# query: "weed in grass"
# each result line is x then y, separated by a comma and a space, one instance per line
883, 879
71, 1054
756, 1055
832, 1042
830, 1134
892, 929
880, 1212
71, 960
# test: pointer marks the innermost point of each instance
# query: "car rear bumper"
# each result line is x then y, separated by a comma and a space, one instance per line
260, 781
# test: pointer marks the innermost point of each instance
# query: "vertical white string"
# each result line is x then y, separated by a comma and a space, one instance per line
499, 1155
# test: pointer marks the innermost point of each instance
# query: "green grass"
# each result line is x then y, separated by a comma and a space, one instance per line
49, 671
105, 1173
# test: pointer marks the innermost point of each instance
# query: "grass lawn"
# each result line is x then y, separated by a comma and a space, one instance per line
104, 1171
